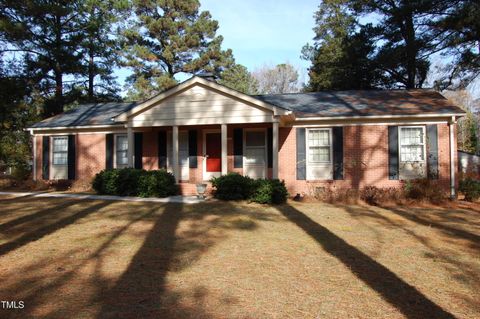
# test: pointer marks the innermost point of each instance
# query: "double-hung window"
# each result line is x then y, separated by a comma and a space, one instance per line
121, 150
319, 153
60, 150
319, 146
412, 144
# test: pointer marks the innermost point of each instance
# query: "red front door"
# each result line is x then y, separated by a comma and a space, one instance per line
213, 150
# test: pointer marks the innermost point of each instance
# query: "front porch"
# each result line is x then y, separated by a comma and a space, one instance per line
196, 153
200, 129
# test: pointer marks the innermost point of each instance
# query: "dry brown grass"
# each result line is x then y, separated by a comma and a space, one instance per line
98, 259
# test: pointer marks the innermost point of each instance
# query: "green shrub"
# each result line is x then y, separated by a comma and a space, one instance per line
21, 172
157, 184
269, 192
134, 182
233, 186
424, 189
470, 188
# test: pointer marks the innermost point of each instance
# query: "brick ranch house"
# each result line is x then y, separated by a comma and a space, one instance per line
200, 129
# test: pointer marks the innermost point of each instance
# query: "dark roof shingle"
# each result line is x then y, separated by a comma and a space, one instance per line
86, 115
319, 104
363, 103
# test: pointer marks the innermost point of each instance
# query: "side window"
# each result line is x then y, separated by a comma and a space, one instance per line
319, 154
412, 152
319, 146
412, 144
121, 149
60, 150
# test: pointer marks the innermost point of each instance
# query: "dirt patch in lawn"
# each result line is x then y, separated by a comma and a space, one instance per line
96, 259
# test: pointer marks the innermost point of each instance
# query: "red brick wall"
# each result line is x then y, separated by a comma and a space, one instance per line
365, 151
90, 155
365, 157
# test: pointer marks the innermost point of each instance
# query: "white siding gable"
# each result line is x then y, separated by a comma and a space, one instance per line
199, 105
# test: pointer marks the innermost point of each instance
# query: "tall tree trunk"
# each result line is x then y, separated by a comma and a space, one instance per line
58, 105
91, 74
411, 51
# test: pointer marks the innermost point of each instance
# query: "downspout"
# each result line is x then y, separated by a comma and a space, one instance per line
452, 158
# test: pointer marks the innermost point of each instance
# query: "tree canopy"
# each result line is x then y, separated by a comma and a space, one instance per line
170, 37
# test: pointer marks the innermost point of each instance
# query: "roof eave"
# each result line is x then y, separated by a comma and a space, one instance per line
319, 118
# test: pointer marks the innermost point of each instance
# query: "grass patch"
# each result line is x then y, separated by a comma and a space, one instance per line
238, 260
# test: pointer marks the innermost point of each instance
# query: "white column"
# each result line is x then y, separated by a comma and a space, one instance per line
275, 150
452, 157
175, 167
224, 149
131, 146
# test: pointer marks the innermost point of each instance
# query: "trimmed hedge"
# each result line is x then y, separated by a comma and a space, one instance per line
234, 186
135, 182
470, 188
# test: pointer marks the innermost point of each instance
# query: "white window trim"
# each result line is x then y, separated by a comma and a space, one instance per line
307, 153
52, 151
115, 149
400, 143
170, 157
260, 129
307, 148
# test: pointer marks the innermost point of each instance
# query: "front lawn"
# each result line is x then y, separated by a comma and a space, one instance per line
70, 258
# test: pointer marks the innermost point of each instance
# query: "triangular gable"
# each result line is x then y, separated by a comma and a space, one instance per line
190, 85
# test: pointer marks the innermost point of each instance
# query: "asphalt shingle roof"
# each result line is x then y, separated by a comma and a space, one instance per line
363, 103
319, 104
86, 115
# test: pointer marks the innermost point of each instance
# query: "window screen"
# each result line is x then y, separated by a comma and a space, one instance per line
412, 144
121, 151
60, 150
319, 146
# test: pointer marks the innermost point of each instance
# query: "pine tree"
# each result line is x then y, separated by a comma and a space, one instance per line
238, 78
340, 56
100, 47
171, 37
48, 34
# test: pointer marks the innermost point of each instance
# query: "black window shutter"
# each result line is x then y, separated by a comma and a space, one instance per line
270, 146
432, 149
238, 148
192, 148
337, 143
301, 154
46, 157
109, 151
71, 157
138, 148
393, 160
162, 149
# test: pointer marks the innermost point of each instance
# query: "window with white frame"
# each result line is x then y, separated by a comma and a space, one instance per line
319, 154
121, 151
318, 142
412, 144
60, 150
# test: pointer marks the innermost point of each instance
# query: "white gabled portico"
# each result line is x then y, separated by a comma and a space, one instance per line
202, 103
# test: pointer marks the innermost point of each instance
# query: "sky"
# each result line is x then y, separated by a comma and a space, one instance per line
262, 32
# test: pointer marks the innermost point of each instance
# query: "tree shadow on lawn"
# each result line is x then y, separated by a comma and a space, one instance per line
40, 232
416, 216
434, 218
406, 298
50, 212
143, 292
178, 236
